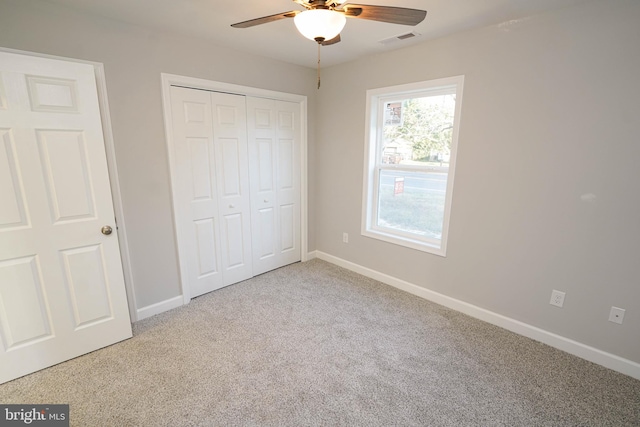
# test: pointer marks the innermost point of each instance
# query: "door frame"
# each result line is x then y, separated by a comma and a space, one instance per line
169, 80
109, 146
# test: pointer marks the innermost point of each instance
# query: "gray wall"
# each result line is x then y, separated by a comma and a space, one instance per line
550, 113
133, 58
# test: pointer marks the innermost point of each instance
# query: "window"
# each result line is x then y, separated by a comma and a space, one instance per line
411, 140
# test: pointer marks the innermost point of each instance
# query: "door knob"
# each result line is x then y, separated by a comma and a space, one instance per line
266, 201
231, 206
106, 230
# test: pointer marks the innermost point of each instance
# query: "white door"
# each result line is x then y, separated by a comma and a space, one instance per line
62, 290
212, 198
274, 156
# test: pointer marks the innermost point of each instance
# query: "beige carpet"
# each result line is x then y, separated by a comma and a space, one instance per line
316, 345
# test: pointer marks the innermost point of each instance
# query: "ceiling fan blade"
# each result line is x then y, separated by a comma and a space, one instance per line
390, 14
265, 19
334, 40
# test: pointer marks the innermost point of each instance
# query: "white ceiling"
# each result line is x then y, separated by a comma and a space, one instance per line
211, 20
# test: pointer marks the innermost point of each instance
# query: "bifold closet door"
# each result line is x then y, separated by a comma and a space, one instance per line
274, 159
212, 196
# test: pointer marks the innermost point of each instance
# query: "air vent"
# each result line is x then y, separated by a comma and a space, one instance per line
396, 39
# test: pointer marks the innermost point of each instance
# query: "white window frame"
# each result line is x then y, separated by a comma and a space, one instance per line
373, 162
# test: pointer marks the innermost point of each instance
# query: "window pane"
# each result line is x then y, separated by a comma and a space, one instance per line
418, 131
412, 202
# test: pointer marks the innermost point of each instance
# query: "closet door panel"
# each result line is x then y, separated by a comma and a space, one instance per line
274, 157
288, 181
196, 198
263, 153
232, 172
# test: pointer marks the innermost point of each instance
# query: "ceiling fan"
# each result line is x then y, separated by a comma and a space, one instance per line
323, 20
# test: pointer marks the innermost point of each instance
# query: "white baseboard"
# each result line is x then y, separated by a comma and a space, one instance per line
311, 255
575, 348
162, 306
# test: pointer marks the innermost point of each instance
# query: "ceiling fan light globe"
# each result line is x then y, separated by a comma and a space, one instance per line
321, 24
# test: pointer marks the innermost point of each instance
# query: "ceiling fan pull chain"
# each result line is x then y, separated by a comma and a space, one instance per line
319, 45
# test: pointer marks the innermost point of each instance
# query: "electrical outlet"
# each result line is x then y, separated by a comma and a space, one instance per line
345, 237
557, 298
616, 315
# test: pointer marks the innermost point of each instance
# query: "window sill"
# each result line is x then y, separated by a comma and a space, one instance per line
406, 242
